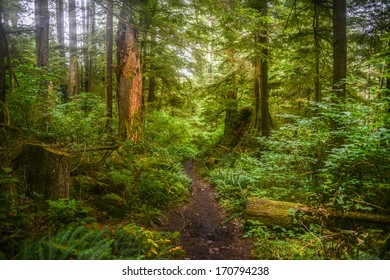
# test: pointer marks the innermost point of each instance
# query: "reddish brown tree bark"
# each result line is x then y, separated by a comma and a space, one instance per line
130, 96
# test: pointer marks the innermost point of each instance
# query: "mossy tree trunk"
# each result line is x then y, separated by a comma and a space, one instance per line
46, 171
281, 213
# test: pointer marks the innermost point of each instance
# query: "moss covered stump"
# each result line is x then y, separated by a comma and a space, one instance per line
46, 171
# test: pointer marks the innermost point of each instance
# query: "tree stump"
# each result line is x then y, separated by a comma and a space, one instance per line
46, 171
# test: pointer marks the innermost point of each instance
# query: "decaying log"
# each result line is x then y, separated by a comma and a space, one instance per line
46, 170
281, 213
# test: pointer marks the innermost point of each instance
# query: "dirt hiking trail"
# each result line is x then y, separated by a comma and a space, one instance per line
203, 233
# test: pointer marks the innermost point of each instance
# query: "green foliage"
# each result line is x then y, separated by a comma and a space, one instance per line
64, 211
82, 243
6, 178
314, 242
232, 187
79, 121
169, 136
301, 161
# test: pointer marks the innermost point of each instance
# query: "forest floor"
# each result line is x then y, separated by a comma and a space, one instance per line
205, 232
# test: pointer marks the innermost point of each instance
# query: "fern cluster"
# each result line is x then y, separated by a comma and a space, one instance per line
83, 243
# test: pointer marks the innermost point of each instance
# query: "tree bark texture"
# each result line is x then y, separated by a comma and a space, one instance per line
130, 96
88, 26
262, 120
108, 72
231, 116
280, 213
74, 66
42, 18
339, 48
317, 50
3, 69
46, 171
60, 19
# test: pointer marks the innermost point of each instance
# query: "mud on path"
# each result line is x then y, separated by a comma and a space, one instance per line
204, 234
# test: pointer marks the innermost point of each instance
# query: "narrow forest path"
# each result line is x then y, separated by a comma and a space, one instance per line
203, 233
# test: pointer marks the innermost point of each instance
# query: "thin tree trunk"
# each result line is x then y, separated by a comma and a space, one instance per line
42, 32
91, 28
152, 98
317, 49
60, 18
129, 81
339, 49
88, 18
3, 69
257, 94
73, 67
231, 117
108, 72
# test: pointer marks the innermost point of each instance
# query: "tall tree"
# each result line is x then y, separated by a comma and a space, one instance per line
42, 32
60, 19
261, 87
130, 96
73, 66
3, 69
108, 72
339, 48
317, 50
88, 27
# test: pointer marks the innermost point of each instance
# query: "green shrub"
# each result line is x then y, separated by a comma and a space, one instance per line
65, 211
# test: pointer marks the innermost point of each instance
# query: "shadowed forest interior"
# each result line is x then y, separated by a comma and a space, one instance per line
194, 129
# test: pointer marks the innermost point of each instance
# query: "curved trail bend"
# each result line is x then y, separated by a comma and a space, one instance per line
203, 233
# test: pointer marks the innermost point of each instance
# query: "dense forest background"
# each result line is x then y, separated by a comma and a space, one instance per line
102, 102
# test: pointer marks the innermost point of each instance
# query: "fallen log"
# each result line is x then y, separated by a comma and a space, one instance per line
281, 213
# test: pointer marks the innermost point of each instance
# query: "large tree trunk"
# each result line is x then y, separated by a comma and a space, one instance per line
281, 213
73, 67
261, 117
129, 81
46, 171
339, 48
108, 72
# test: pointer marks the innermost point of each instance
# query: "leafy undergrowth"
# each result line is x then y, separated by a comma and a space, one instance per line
85, 243
129, 184
302, 162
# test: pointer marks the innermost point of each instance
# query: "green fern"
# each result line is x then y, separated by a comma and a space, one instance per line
130, 242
